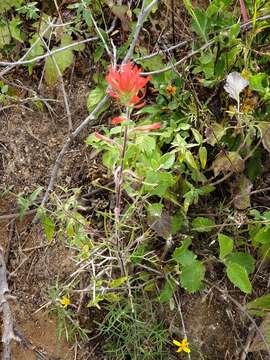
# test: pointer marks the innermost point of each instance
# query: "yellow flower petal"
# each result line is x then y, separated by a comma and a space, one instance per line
179, 349
184, 342
177, 343
186, 349
65, 301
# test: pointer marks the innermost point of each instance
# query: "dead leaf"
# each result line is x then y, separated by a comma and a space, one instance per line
258, 344
265, 134
123, 13
161, 224
241, 193
230, 161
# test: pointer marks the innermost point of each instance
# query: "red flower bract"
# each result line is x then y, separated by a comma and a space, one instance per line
126, 84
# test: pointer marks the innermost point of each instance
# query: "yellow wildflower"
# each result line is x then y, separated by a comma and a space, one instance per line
65, 301
182, 346
171, 89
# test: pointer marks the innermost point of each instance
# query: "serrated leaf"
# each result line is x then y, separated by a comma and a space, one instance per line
225, 245
192, 276
243, 259
202, 224
239, 277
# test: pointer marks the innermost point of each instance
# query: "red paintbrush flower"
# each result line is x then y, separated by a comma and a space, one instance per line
126, 84
147, 127
118, 120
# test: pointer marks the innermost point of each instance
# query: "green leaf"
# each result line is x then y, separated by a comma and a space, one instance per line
185, 245
259, 306
167, 292
118, 282
225, 245
167, 161
48, 226
4, 35
263, 235
15, 31
155, 209
259, 82
243, 259
94, 98
8, 4
190, 159
63, 59
239, 277
192, 276
203, 156
202, 224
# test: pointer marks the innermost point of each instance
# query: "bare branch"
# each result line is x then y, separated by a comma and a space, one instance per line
141, 18
7, 328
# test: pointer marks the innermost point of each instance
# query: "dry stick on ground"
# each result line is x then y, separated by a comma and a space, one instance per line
7, 328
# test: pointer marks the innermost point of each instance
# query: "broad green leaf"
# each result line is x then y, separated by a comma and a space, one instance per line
259, 82
118, 282
155, 209
167, 161
243, 259
239, 277
48, 226
225, 245
63, 59
181, 249
15, 31
202, 224
167, 291
203, 156
192, 276
259, 306
263, 235
94, 98
184, 258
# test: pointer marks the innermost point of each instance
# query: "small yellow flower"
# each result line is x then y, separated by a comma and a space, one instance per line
171, 89
65, 301
182, 346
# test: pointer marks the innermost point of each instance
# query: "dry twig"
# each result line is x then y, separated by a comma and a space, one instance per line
7, 328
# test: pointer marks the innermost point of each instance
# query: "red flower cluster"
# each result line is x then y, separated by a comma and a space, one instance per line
126, 83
